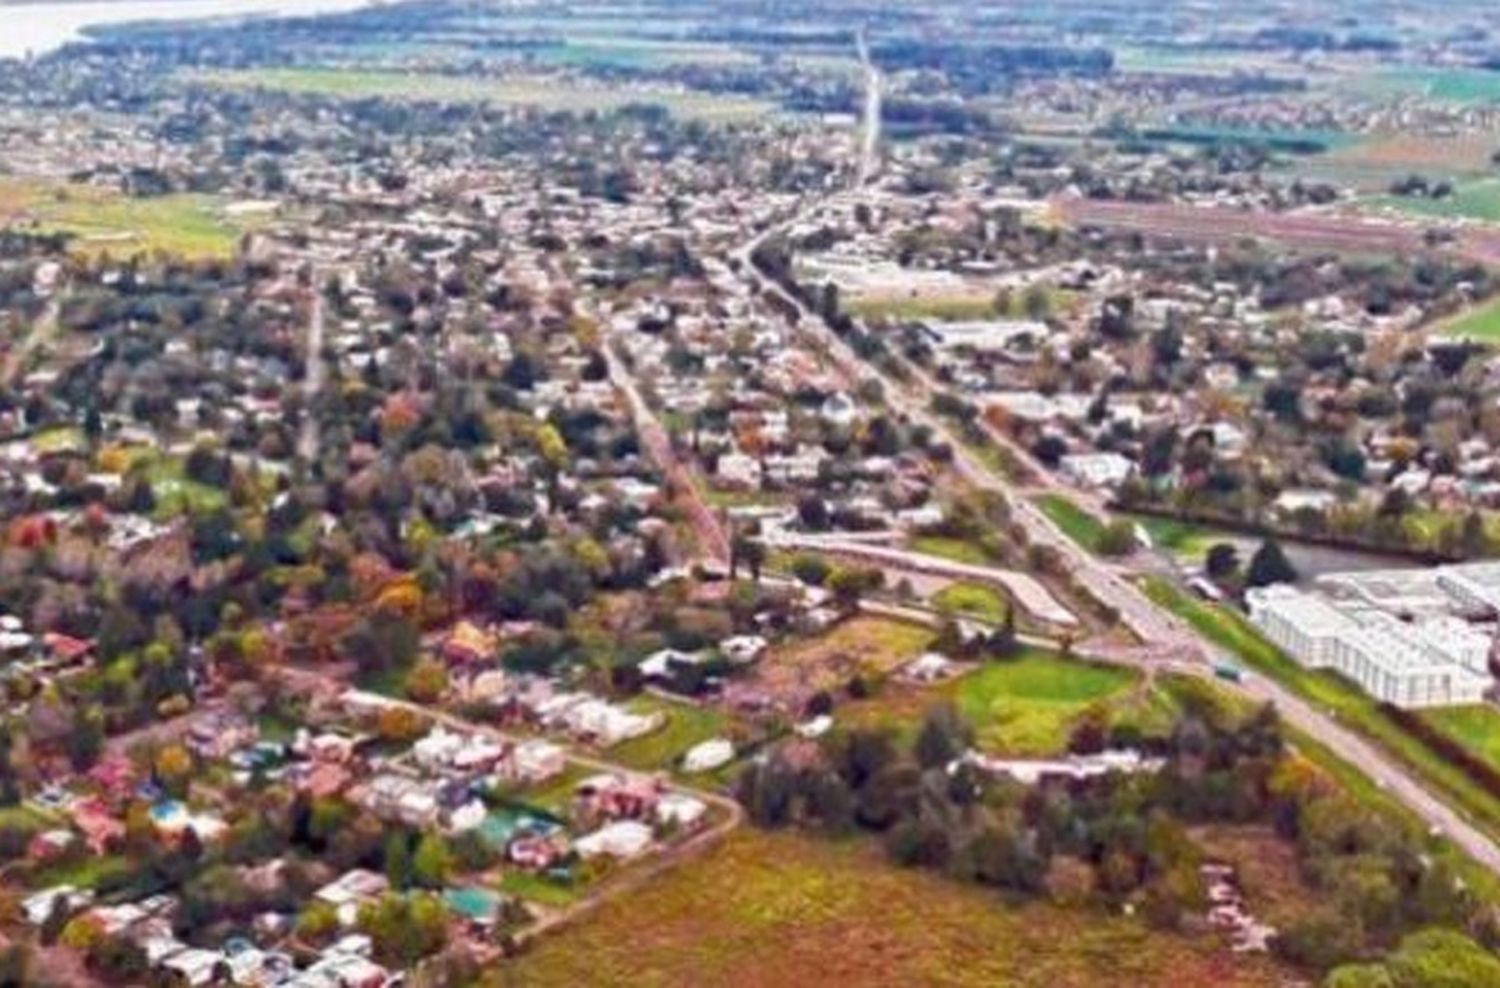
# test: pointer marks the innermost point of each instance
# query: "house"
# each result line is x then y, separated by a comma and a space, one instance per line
215, 736
356, 885
1097, 469
622, 840
195, 967
742, 649
51, 844
467, 645
39, 905
617, 795
534, 761
680, 810
708, 755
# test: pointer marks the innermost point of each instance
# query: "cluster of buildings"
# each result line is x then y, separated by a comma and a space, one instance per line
1411, 638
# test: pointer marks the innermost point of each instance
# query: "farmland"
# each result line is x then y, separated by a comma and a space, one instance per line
558, 95
778, 909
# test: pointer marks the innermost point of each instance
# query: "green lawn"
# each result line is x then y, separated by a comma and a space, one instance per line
1482, 322
1478, 199
1029, 705
1076, 523
542, 92
1476, 728
102, 221
976, 600
786, 909
1448, 85
86, 873
1329, 692
686, 726
1184, 539
541, 889
956, 550
960, 306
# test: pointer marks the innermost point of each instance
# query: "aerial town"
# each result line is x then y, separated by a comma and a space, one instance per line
522, 493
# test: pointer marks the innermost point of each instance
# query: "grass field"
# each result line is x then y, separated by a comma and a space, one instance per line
1476, 200
1076, 523
975, 600
956, 550
1477, 728
686, 726
1184, 539
1446, 85
1482, 322
102, 221
1025, 706
550, 94
1028, 706
956, 306
779, 909
1353, 708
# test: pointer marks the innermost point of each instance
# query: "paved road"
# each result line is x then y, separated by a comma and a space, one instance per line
308, 441
1170, 642
1026, 589
711, 538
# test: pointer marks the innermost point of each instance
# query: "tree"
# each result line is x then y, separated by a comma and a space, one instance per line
1222, 561
1116, 539
427, 681
1269, 565
86, 739
944, 737
432, 862
398, 860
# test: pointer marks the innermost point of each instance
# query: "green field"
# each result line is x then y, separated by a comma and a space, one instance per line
1186, 540
975, 600
1076, 523
1029, 705
1447, 85
1476, 728
956, 550
781, 909
1333, 694
1482, 322
957, 306
549, 94
1477, 200
105, 222
687, 725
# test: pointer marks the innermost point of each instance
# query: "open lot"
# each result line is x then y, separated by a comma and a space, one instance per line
543, 93
1024, 706
1028, 706
102, 221
1482, 322
778, 909
861, 645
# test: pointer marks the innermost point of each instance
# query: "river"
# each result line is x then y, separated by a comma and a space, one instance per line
37, 28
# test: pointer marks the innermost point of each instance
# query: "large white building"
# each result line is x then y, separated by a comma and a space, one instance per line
1439, 662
